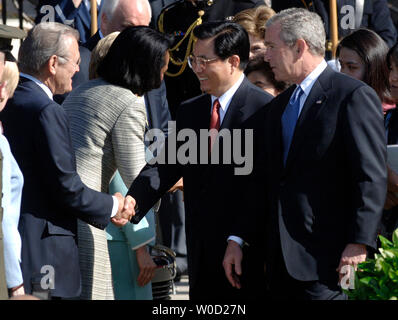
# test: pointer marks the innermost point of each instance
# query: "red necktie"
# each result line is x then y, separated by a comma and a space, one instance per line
214, 122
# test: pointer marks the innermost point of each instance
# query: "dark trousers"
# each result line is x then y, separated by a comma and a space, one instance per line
284, 287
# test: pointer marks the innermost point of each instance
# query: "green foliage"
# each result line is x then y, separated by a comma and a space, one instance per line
377, 279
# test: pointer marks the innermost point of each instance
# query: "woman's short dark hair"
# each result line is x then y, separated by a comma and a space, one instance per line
135, 59
373, 51
229, 38
258, 64
392, 55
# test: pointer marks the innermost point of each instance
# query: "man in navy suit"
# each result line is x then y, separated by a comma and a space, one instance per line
324, 165
53, 197
219, 57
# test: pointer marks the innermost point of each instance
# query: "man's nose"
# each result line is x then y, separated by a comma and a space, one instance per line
197, 68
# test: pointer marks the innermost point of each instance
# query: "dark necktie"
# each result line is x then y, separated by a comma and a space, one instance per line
289, 120
214, 122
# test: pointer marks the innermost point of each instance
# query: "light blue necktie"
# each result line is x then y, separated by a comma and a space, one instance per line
289, 120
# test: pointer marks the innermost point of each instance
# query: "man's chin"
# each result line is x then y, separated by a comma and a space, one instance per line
60, 92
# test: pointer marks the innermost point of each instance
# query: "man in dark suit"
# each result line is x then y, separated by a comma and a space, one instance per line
351, 15
178, 19
219, 57
53, 195
325, 164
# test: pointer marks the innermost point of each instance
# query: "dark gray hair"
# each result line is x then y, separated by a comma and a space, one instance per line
298, 23
43, 41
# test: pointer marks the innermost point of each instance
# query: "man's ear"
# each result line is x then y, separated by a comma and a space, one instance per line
52, 64
234, 60
104, 23
300, 47
3, 90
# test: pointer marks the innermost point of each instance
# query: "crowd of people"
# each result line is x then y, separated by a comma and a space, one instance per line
83, 189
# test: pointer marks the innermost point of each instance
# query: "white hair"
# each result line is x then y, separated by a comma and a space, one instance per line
43, 41
109, 6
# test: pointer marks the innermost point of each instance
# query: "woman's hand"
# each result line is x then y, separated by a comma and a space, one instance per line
146, 265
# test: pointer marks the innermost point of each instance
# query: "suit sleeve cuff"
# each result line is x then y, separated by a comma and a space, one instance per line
238, 240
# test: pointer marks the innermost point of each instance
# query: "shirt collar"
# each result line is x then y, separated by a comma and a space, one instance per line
226, 98
100, 33
307, 84
39, 83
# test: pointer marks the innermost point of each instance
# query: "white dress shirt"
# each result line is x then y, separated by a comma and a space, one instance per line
226, 98
307, 84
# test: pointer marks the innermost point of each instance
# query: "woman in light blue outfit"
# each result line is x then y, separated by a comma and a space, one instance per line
12, 183
123, 244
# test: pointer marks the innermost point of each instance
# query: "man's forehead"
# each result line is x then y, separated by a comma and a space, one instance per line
205, 46
275, 28
132, 13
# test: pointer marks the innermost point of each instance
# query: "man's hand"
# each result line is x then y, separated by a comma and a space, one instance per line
125, 211
232, 263
392, 189
352, 255
178, 186
18, 292
146, 265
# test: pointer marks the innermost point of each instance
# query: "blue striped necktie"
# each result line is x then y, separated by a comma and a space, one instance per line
289, 120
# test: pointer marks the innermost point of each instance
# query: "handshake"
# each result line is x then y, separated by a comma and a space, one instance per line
125, 210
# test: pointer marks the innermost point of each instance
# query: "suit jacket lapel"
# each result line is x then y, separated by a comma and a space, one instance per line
311, 109
235, 109
85, 15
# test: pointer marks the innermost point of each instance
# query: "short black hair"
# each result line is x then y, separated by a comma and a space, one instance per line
229, 38
135, 59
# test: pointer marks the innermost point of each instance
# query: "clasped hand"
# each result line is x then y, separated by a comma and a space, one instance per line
125, 210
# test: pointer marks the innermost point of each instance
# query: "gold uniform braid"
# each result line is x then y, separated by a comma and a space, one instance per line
181, 64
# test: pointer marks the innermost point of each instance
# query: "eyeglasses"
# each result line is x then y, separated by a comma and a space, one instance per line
199, 61
75, 65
